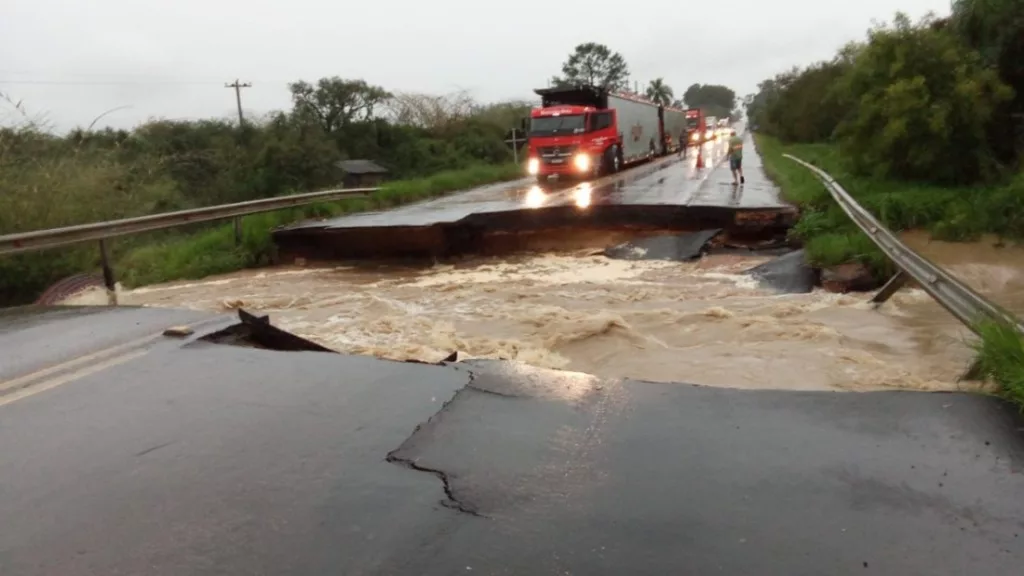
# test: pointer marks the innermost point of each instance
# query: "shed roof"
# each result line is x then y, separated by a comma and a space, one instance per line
361, 167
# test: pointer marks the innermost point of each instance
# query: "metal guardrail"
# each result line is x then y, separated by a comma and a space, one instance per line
56, 237
959, 299
102, 231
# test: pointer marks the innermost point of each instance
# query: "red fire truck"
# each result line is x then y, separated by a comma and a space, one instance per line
586, 131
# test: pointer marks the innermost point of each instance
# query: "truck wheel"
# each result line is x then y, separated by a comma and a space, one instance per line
610, 162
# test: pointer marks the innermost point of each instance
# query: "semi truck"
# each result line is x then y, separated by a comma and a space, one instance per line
585, 131
696, 127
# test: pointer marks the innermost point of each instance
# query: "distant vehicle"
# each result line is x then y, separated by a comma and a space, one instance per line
696, 127
711, 133
586, 131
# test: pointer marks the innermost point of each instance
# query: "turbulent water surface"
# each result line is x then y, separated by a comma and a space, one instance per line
701, 322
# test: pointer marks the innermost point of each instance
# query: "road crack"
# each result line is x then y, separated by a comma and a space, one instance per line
393, 457
452, 502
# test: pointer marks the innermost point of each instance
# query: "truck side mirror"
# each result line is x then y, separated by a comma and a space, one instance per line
524, 124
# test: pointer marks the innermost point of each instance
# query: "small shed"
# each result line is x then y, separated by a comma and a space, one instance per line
361, 173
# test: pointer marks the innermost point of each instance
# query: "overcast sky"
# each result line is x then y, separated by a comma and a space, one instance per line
74, 59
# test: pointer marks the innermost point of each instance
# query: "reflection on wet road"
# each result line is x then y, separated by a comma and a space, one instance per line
698, 179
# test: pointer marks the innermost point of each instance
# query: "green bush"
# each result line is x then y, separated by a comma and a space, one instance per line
920, 103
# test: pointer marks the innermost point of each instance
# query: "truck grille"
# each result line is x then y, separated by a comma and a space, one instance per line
556, 154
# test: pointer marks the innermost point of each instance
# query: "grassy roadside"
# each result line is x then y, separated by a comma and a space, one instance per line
214, 251
953, 214
1000, 358
830, 238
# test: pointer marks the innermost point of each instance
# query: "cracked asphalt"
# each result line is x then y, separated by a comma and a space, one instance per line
178, 456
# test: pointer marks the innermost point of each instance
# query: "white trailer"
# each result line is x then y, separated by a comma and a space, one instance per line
639, 126
675, 126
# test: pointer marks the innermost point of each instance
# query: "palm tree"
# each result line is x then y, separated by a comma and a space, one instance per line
660, 92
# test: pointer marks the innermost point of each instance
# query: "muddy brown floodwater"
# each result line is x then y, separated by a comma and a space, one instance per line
700, 322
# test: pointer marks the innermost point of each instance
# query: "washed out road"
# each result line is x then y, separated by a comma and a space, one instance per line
199, 458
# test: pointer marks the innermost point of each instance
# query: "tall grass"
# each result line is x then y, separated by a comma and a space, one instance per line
1000, 358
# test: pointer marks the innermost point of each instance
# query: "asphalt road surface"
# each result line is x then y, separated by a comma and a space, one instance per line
670, 181
187, 457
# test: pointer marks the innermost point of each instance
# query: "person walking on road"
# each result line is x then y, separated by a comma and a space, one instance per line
683, 143
736, 158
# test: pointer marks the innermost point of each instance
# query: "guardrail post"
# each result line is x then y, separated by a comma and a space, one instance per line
108, 274
891, 287
238, 230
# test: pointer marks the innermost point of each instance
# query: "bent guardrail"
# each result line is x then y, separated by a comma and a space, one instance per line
963, 302
101, 231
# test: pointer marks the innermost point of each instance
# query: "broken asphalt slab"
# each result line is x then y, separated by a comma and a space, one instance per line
627, 477
224, 459
788, 274
677, 247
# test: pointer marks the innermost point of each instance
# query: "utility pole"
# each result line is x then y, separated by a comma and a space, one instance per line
238, 97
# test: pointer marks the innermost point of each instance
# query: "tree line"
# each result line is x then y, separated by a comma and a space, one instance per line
596, 64
940, 100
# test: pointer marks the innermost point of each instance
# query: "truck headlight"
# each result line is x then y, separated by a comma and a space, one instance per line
693, 137
533, 166
581, 162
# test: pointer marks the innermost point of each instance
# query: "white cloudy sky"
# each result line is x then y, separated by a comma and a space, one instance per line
75, 59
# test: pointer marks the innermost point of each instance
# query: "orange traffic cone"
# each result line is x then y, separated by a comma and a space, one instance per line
700, 157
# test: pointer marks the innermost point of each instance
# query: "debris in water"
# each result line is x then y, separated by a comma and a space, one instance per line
178, 331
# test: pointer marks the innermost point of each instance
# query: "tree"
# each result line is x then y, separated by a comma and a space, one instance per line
335, 102
429, 111
594, 64
660, 92
921, 102
713, 99
995, 28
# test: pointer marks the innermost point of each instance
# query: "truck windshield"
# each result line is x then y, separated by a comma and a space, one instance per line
691, 123
551, 125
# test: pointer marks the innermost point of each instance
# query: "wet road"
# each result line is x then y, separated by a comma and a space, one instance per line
670, 181
197, 458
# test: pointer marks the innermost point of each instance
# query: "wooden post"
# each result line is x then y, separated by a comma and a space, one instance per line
108, 274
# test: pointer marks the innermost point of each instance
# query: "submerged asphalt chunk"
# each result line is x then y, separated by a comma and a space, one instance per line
677, 247
788, 274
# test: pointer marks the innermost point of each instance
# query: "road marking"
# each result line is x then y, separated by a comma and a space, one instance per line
27, 379
70, 377
14, 386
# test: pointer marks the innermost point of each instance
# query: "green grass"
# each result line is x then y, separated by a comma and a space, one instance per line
1000, 358
953, 214
214, 251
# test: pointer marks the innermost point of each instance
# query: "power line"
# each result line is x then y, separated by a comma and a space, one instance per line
107, 83
238, 97
128, 82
